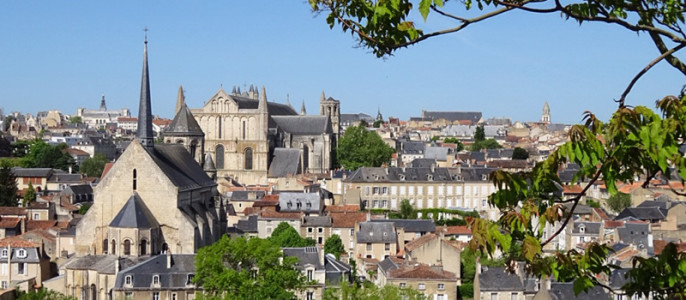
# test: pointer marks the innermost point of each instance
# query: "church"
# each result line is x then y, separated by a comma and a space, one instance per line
155, 198
249, 140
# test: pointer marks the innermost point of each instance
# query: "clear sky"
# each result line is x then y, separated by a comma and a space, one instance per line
66, 54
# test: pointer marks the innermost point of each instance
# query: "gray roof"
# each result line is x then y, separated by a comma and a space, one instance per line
411, 225
79, 189
565, 291
437, 153
335, 269
664, 206
317, 221
305, 255
64, 178
249, 225
423, 163
618, 279
394, 174
104, 264
286, 161
635, 233
134, 214
303, 125
452, 116
300, 202
589, 227
180, 167
247, 195
350, 118
476, 174
641, 213
412, 147
498, 279
175, 277
387, 265
32, 172
32, 255
184, 124
376, 232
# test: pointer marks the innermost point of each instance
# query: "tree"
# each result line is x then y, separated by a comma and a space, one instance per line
377, 124
618, 202
520, 153
8, 186
285, 235
5, 147
246, 269
29, 195
359, 147
43, 294
7, 123
479, 134
452, 140
369, 291
485, 144
407, 210
93, 166
75, 120
84, 208
334, 245
44, 155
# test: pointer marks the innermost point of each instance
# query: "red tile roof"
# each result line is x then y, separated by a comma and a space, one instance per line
421, 271
40, 224
458, 230
279, 215
347, 219
418, 242
343, 208
9, 222
107, 168
15, 241
12, 210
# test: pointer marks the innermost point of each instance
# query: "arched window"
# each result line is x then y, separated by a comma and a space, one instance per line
164, 248
144, 245
114, 246
127, 247
104, 246
94, 292
306, 158
244, 130
135, 177
219, 159
248, 158
194, 147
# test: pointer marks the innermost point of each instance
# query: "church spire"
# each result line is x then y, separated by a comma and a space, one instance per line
103, 107
145, 135
180, 100
302, 109
262, 106
323, 97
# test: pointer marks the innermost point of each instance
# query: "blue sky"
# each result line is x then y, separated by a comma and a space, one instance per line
66, 54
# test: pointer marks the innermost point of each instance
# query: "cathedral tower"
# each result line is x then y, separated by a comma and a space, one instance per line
184, 130
331, 108
545, 117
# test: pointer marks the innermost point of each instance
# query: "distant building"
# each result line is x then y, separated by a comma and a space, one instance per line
545, 116
96, 118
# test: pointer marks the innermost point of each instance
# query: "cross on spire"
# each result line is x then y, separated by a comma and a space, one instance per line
146, 34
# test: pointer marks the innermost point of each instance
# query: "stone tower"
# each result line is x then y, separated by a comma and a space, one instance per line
545, 117
184, 130
331, 108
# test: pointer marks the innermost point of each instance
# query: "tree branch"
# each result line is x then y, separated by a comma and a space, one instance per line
672, 60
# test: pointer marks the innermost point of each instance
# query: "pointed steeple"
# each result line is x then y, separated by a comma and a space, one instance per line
103, 107
379, 117
302, 109
323, 98
262, 106
145, 135
180, 100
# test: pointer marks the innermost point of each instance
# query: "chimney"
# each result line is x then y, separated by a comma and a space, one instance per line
169, 259
116, 266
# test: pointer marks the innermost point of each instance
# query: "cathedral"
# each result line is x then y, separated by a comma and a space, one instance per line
155, 198
248, 139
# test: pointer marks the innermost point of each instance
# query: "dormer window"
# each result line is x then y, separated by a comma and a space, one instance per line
484, 177
128, 280
582, 228
4, 253
189, 279
155, 280
21, 253
402, 177
430, 177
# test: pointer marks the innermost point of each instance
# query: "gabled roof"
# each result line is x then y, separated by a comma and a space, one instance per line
498, 279
134, 214
565, 291
376, 232
32, 172
347, 219
589, 227
172, 278
306, 256
184, 124
300, 202
180, 167
303, 125
421, 271
286, 161
641, 213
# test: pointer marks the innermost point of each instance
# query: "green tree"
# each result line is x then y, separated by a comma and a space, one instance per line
452, 140
359, 147
7, 122
75, 120
485, 144
520, 153
285, 235
5, 147
407, 210
42, 294
246, 269
8, 186
93, 166
84, 208
334, 245
377, 124
369, 291
29, 195
44, 155
479, 134
618, 202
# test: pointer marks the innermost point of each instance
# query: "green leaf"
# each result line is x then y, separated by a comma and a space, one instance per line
531, 246
582, 284
424, 7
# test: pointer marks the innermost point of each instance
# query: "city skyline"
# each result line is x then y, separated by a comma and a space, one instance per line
66, 56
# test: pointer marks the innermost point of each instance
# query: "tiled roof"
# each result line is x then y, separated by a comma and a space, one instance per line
9, 222
421, 271
40, 224
418, 242
458, 230
17, 242
347, 219
12, 210
342, 208
279, 215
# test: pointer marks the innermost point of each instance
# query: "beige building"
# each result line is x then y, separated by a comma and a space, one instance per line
22, 264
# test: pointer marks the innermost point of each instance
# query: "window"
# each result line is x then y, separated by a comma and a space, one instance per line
494, 296
114, 246
219, 157
127, 280
3, 268
4, 253
21, 253
375, 190
310, 275
189, 279
156, 296
402, 285
155, 279
320, 240
144, 247
384, 190
513, 296
4, 285
36, 216
309, 230
135, 178
248, 158
320, 229
127, 247
310, 296
244, 130
387, 246
421, 286
441, 286
352, 231
128, 295
104, 246
174, 296
369, 246
384, 203
484, 203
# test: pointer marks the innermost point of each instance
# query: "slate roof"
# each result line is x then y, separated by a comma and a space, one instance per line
641, 213
80, 189
634, 233
376, 232
305, 255
247, 195
476, 174
249, 225
180, 167
395, 174
104, 264
589, 228
350, 118
317, 221
303, 125
286, 161
31, 250
134, 214
617, 279
300, 202
64, 177
473, 117
175, 277
419, 225
184, 124
498, 279
32, 172
412, 147
335, 269
565, 291
422, 163
664, 206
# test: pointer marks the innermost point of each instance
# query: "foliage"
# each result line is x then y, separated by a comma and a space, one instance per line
665, 275
592, 203
377, 124
29, 195
44, 155
334, 245
359, 147
285, 235
20, 148
451, 222
369, 291
5, 147
486, 144
468, 269
43, 294
452, 140
84, 208
479, 134
93, 166
8, 186
7, 123
246, 269
75, 120
618, 202
520, 153
406, 210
